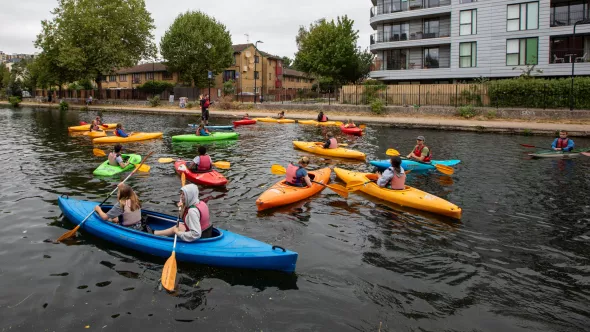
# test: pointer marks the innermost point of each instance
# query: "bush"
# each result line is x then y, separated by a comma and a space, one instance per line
64, 106
377, 106
492, 115
372, 91
466, 111
190, 105
154, 101
84, 109
226, 103
14, 101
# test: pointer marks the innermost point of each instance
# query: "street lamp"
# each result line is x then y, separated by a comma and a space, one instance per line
209, 74
255, 51
585, 21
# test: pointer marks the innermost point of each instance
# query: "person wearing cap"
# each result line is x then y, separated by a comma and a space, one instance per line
194, 215
297, 175
393, 177
115, 157
421, 152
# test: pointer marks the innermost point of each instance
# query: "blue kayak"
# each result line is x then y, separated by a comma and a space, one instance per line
225, 249
414, 165
213, 127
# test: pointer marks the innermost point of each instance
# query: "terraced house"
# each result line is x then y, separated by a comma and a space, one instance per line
442, 41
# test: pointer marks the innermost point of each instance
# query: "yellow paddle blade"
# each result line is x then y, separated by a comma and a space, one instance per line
278, 169
448, 170
69, 234
144, 168
338, 123
98, 152
363, 126
183, 179
392, 152
340, 190
165, 160
342, 144
355, 185
222, 164
169, 273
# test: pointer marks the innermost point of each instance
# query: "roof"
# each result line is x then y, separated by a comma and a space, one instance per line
143, 68
239, 48
293, 72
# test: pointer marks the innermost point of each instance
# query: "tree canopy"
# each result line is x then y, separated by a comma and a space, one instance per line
287, 62
329, 49
196, 43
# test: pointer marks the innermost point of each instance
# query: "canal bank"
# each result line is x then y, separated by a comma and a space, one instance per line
510, 121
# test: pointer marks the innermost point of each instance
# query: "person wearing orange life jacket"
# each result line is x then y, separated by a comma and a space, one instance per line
196, 223
394, 176
115, 157
297, 175
322, 117
331, 142
563, 143
421, 152
202, 163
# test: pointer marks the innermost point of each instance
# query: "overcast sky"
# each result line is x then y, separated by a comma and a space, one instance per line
274, 22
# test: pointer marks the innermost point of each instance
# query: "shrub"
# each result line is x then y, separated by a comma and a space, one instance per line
154, 101
250, 106
377, 106
229, 88
527, 132
190, 105
14, 101
84, 109
226, 103
372, 90
466, 111
64, 106
492, 115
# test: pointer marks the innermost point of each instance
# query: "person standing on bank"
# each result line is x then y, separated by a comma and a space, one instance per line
205, 103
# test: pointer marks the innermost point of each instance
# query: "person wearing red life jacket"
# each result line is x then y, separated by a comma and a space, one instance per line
297, 175
322, 117
421, 152
205, 103
246, 117
393, 177
202, 163
331, 142
120, 131
350, 124
115, 157
563, 143
194, 213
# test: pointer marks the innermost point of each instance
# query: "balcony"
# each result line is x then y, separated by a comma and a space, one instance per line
569, 56
414, 58
566, 49
443, 30
389, 7
559, 19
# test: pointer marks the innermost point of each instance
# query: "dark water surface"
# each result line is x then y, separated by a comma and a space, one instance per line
518, 261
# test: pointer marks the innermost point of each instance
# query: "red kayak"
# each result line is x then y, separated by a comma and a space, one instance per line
211, 178
244, 122
352, 130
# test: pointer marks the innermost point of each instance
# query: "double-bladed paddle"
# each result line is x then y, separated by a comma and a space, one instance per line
356, 184
218, 164
141, 167
441, 168
340, 190
170, 267
73, 231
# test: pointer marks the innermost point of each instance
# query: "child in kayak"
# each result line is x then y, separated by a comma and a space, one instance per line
115, 157
297, 175
394, 176
246, 117
202, 163
331, 142
127, 210
350, 124
120, 131
94, 126
281, 115
322, 117
194, 215
202, 131
421, 152
563, 143
98, 121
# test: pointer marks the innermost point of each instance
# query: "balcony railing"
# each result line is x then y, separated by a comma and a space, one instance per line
389, 7
429, 63
569, 55
567, 18
387, 37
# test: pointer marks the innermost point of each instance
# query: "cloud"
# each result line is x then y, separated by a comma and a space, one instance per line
275, 23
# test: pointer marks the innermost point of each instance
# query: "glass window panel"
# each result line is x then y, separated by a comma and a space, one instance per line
465, 17
474, 54
512, 59
522, 53
464, 49
513, 25
512, 46
465, 62
532, 51
513, 11
532, 20
523, 17
465, 30
474, 22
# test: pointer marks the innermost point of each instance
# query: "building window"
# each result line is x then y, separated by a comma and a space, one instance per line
256, 59
167, 75
123, 78
468, 22
524, 51
467, 55
467, 1
113, 78
149, 76
431, 59
522, 16
431, 28
568, 13
229, 75
136, 78
256, 75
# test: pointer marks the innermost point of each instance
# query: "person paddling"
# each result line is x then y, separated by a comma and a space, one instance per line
127, 210
120, 131
202, 163
194, 213
115, 157
394, 176
246, 117
421, 152
322, 117
563, 143
297, 175
205, 103
281, 115
202, 131
98, 121
350, 124
94, 126
331, 142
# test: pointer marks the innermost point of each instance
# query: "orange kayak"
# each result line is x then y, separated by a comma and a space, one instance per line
282, 194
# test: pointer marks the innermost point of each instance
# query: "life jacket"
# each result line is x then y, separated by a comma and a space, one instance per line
292, 175
562, 142
350, 125
117, 132
204, 220
129, 218
204, 163
206, 103
397, 182
324, 118
418, 153
113, 158
333, 143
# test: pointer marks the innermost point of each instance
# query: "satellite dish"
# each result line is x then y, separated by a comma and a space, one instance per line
252, 60
247, 54
251, 66
245, 69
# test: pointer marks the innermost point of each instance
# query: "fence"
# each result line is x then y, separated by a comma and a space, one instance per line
119, 94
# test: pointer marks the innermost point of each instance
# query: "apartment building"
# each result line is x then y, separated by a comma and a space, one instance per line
444, 41
295, 80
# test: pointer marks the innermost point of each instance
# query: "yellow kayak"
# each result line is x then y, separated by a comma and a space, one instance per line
317, 148
275, 120
95, 134
410, 197
132, 138
315, 123
86, 127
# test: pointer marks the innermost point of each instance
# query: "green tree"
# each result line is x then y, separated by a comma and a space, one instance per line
93, 38
4, 79
329, 49
194, 44
287, 62
229, 88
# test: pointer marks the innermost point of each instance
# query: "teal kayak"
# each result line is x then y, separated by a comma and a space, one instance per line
212, 137
107, 170
415, 165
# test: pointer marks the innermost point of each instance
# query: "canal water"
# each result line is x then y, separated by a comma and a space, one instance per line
517, 261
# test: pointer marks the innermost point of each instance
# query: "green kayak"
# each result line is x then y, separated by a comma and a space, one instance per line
212, 137
107, 170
